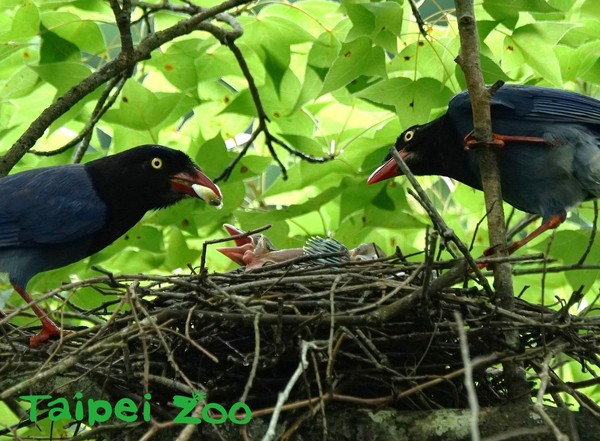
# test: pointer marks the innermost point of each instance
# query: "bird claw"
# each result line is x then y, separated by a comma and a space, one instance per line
492, 250
49, 330
500, 140
471, 142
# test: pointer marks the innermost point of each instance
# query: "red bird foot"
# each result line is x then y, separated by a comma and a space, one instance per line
551, 223
49, 328
499, 140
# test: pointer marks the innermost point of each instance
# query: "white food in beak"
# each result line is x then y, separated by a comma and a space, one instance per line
207, 195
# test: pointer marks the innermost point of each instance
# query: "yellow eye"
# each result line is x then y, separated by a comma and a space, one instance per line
408, 135
156, 163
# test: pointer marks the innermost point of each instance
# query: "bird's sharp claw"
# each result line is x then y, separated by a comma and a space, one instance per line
471, 142
500, 140
49, 329
491, 250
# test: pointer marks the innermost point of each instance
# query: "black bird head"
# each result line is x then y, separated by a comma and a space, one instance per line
429, 149
150, 177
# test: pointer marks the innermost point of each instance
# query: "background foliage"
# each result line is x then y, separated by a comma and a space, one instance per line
339, 79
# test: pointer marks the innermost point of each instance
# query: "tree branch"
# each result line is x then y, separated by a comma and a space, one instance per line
123, 20
263, 120
490, 177
118, 66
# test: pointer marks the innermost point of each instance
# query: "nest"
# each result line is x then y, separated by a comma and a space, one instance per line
296, 336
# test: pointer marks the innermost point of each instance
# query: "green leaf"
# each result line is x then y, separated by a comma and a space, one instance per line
324, 51
25, 24
356, 58
177, 63
569, 245
530, 41
216, 63
141, 109
55, 49
84, 34
382, 22
275, 35
311, 205
434, 59
413, 100
178, 253
581, 63
63, 76
140, 249
311, 85
590, 8
311, 15
19, 84
508, 11
242, 104
491, 71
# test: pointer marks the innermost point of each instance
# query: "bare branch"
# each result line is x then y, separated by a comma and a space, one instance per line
123, 19
120, 66
490, 176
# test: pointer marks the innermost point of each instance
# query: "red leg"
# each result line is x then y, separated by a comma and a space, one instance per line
552, 222
49, 328
500, 140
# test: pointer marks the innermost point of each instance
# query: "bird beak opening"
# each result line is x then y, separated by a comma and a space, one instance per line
243, 244
388, 170
197, 184
234, 231
237, 253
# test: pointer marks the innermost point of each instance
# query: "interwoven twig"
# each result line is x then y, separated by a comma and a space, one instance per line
199, 332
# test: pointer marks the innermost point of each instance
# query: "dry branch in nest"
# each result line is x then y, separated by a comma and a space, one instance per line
379, 333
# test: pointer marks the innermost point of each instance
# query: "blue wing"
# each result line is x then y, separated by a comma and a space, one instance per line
51, 205
516, 108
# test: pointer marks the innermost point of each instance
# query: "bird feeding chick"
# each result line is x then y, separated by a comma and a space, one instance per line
54, 216
548, 155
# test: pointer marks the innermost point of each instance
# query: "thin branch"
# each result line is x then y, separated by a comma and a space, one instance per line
117, 67
539, 404
469, 61
227, 239
469, 381
104, 103
420, 22
440, 225
592, 235
123, 20
263, 120
284, 395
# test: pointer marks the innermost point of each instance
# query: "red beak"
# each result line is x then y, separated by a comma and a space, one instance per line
388, 170
197, 184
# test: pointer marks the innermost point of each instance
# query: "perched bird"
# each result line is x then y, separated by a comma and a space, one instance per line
256, 250
549, 155
53, 216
